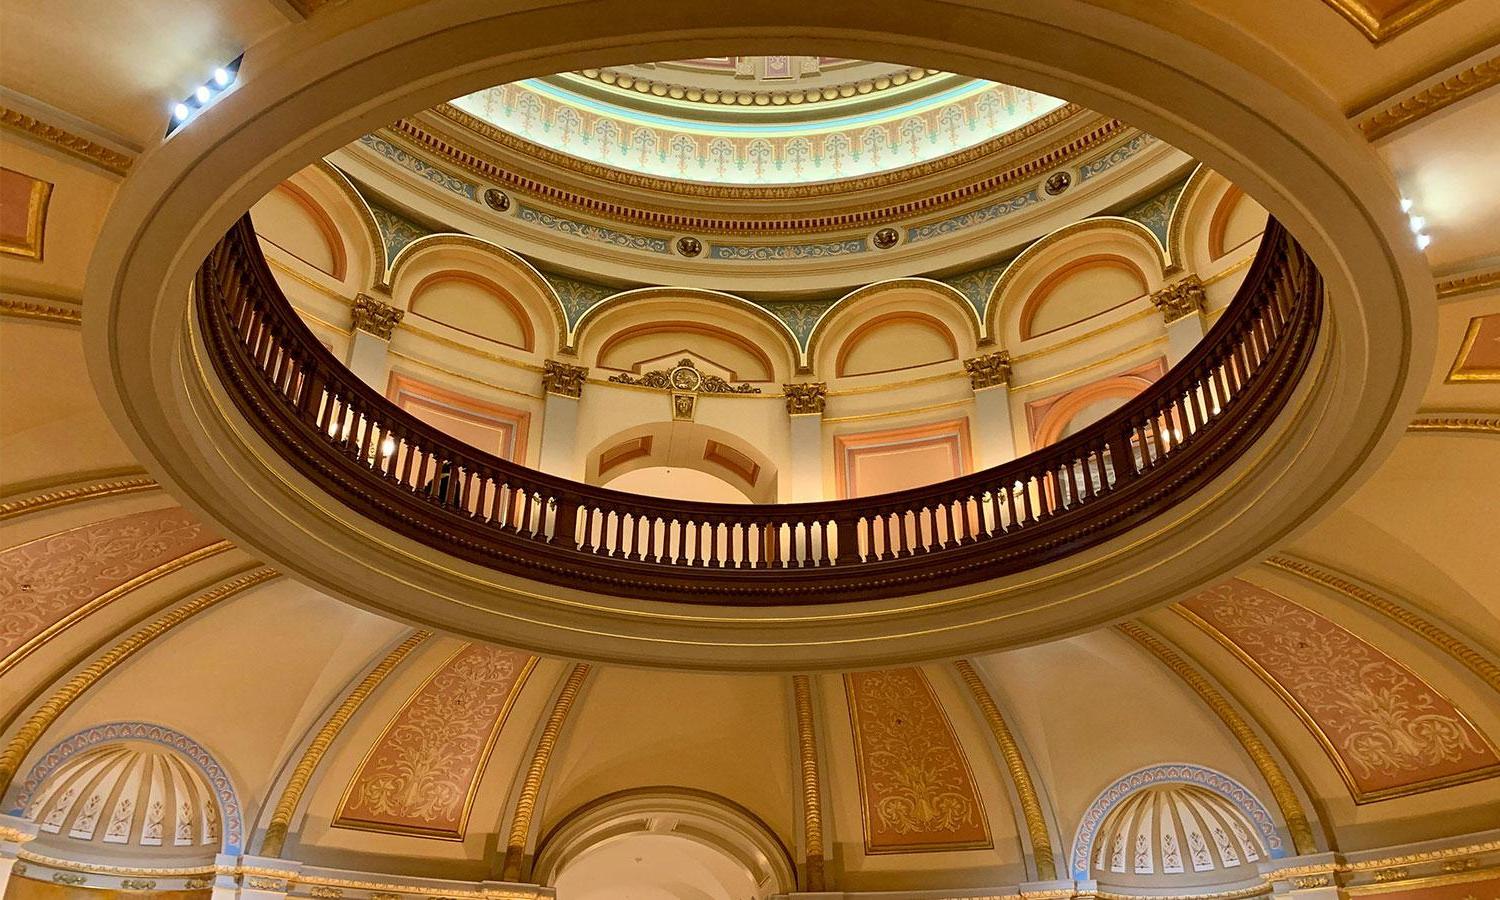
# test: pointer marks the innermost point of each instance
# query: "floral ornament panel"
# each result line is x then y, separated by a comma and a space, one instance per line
1388, 732
44, 581
421, 776
915, 785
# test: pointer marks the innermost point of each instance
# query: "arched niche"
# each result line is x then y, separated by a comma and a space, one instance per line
317, 218
1072, 275
1053, 418
893, 326
1213, 219
478, 289
653, 327
724, 845
691, 446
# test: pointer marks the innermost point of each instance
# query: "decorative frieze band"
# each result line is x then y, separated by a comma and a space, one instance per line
375, 316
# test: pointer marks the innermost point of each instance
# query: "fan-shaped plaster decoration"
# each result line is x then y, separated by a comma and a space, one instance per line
133, 783
1172, 819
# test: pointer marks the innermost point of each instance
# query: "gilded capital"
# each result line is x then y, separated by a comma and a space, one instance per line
805, 399
1180, 299
376, 317
990, 370
563, 379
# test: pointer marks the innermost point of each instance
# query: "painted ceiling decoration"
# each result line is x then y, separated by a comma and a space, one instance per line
1387, 731
916, 789
421, 775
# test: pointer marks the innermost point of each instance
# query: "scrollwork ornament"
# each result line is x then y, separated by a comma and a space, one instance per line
684, 377
138, 884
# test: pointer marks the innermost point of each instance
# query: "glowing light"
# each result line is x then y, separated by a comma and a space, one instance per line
180, 112
387, 446
221, 76
1406, 204
1423, 240
1417, 224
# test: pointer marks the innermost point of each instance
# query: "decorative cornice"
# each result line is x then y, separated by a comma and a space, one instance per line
685, 376
1281, 788
531, 786
1031, 805
778, 97
990, 370
25, 738
1429, 100
47, 312
563, 379
1456, 422
65, 496
806, 399
812, 792
1461, 652
1473, 283
1379, 26
291, 795
375, 316
75, 144
1180, 299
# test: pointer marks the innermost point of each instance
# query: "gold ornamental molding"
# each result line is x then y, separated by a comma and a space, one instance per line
1031, 806
65, 496
77, 145
1445, 93
1381, 21
1281, 788
374, 316
812, 791
25, 739
291, 795
108, 597
1455, 423
17, 308
531, 786
731, 96
1455, 648
1460, 285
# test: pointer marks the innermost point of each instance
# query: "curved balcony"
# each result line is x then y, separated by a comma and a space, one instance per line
1096, 484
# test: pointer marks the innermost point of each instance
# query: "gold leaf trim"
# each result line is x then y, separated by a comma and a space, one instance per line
53, 499
1455, 422
812, 792
47, 312
531, 787
1031, 806
1379, 28
291, 795
1460, 285
1429, 100
89, 151
1281, 788
26, 738
1461, 652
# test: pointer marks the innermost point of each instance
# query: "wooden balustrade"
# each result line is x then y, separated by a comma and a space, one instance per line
409, 476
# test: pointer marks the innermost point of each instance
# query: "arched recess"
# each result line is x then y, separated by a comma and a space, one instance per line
1236, 796
657, 325
1073, 274
455, 269
33, 790
685, 445
1213, 218
318, 217
853, 336
699, 817
1051, 419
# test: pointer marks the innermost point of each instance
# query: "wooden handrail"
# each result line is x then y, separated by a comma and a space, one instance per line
407, 475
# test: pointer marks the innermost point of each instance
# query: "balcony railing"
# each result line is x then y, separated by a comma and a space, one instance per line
407, 475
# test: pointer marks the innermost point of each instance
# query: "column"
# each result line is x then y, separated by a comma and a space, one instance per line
1181, 305
994, 440
804, 403
14, 831
374, 323
562, 392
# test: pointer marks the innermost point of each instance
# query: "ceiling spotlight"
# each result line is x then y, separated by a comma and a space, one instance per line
1423, 240
180, 112
1406, 204
221, 77
202, 93
1417, 224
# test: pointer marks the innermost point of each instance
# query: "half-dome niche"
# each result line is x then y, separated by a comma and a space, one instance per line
1175, 833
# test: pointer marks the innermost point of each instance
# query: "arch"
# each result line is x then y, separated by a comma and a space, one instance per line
860, 299
886, 320
695, 815
1058, 411
688, 445
516, 278
373, 243
1049, 285
1204, 211
503, 297
724, 334
1114, 236
1200, 179
230, 815
313, 212
705, 306
1241, 797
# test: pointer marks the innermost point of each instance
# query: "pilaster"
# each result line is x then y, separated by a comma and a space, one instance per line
994, 439
1181, 306
562, 394
805, 404
374, 322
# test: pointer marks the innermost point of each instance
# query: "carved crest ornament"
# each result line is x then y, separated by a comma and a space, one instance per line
375, 317
685, 377
991, 370
563, 379
806, 399
1180, 299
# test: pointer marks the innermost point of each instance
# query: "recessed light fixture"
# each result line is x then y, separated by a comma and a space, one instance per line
1416, 223
204, 95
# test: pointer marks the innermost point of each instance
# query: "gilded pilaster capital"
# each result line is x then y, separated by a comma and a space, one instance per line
375, 316
990, 370
1180, 299
563, 379
806, 399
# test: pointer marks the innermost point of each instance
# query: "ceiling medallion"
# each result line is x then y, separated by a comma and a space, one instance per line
1058, 182
689, 246
886, 238
497, 200
684, 377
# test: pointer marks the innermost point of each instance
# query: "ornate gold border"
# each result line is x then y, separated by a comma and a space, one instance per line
30, 247
89, 151
1430, 881
1031, 806
1459, 361
531, 786
805, 95
812, 791
65, 496
1461, 652
484, 759
1360, 797
859, 767
1377, 28
1459, 285
1281, 787
291, 795
1457, 422
26, 738
1429, 100
32, 309
109, 596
